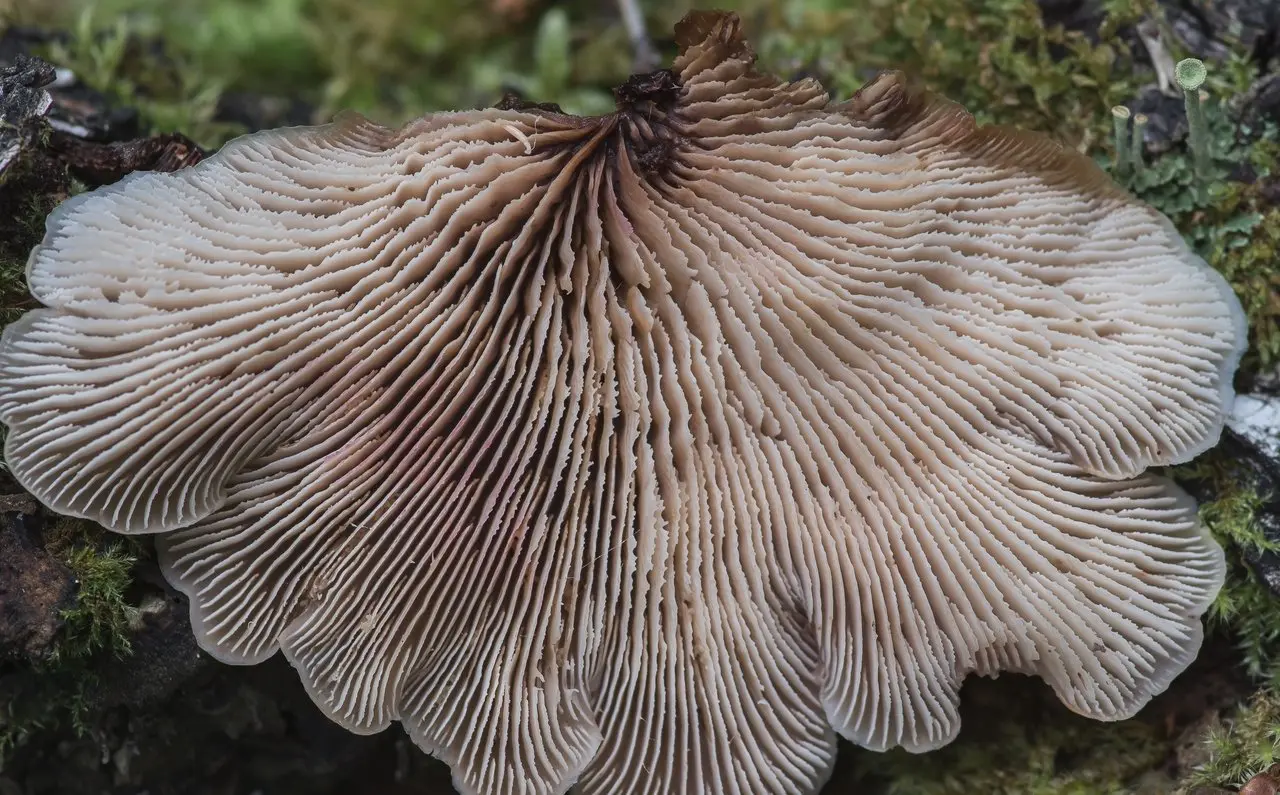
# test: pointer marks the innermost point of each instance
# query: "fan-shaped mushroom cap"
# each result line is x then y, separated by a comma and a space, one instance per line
642, 451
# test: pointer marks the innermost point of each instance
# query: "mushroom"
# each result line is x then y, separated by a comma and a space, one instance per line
650, 451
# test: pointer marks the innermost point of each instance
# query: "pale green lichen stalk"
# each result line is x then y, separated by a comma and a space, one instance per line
1190, 74
1136, 143
1120, 128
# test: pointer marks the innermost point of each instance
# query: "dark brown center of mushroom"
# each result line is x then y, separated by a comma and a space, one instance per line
641, 127
645, 103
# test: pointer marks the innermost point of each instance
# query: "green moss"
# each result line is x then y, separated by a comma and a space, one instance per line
101, 616
55, 692
1246, 252
1244, 607
29, 190
552, 75
14, 297
1017, 740
103, 567
996, 57
170, 93
1244, 746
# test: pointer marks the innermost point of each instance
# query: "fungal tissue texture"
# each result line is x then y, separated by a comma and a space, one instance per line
646, 452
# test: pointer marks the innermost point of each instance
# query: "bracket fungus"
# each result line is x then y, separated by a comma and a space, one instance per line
644, 452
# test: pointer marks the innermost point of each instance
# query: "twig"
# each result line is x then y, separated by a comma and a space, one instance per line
1150, 33
644, 54
18, 503
102, 164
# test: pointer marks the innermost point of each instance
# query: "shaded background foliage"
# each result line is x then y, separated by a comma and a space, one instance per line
103, 690
394, 59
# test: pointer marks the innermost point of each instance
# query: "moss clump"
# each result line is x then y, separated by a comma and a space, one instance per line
1247, 610
14, 297
54, 692
997, 57
169, 93
1018, 740
1246, 249
1244, 746
29, 190
101, 616
1244, 607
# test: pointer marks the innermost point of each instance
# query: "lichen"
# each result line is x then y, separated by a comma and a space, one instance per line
1230, 221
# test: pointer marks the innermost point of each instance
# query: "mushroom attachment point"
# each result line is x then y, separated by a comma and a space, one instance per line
646, 452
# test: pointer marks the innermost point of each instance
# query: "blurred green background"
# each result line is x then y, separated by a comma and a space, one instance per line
395, 59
